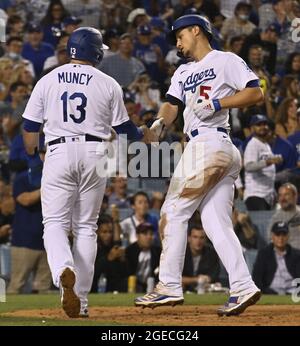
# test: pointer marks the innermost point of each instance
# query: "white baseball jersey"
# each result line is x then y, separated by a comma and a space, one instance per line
259, 183
217, 75
76, 99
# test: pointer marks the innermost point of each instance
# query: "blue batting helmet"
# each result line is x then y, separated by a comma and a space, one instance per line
190, 20
86, 44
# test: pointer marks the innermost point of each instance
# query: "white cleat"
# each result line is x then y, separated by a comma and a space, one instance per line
238, 304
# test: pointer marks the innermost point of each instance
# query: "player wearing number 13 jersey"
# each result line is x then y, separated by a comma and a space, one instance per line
78, 106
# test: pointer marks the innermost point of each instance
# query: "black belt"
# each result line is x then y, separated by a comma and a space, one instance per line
195, 133
88, 138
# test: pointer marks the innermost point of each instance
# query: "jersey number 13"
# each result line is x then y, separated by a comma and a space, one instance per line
81, 107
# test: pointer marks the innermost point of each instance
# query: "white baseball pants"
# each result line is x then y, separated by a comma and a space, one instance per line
203, 179
71, 194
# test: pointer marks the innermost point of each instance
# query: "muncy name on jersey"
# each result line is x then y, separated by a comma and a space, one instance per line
74, 78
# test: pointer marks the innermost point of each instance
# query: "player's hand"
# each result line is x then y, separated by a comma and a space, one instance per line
149, 135
205, 109
5, 230
115, 253
157, 127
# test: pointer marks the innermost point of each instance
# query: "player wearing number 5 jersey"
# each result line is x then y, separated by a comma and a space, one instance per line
206, 87
78, 106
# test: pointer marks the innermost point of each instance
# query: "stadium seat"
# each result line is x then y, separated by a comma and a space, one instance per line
154, 184
133, 185
250, 257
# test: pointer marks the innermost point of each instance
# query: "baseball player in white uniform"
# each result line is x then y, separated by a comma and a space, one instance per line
78, 105
207, 87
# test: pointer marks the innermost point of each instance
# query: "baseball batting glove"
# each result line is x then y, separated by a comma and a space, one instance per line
205, 109
157, 127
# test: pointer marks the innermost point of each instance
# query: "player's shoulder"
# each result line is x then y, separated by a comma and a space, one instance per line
227, 55
184, 67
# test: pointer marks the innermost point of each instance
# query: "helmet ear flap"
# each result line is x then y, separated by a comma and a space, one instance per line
100, 55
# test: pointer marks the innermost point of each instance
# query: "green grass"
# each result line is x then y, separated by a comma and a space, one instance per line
51, 301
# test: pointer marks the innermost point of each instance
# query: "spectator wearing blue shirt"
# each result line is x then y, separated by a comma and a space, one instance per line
18, 156
52, 22
295, 138
35, 49
159, 34
149, 53
27, 252
283, 147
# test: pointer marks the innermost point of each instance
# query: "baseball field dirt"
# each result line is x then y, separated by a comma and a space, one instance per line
114, 310
191, 315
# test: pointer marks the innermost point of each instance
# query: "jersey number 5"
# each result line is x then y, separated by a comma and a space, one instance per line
203, 91
80, 107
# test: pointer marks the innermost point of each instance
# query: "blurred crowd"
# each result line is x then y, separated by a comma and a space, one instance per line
266, 34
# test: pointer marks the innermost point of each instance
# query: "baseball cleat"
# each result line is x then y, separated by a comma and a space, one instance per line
154, 299
84, 312
238, 304
69, 300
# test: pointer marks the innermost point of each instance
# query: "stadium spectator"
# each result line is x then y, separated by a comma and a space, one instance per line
295, 138
236, 44
289, 213
111, 38
158, 30
61, 57
119, 192
137, 17
123, 66
14, 109
52, 22
271, 12
27, 252
110, 258
143, 257
246, 231
278, 264
259, 163
35, 49
14, 47
149, 53
15, 26
201, 263
70, 24
286, 118
88, 10
280, 146
145, 94
140, 203
6, 77
7, 209
291, 87
239, 24
132, 110
292, 65
266, 39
